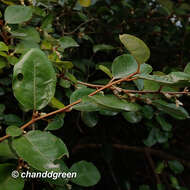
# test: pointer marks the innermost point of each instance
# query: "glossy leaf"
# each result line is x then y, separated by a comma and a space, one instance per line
87, 104
87, 174
33, 85
113, 103
123, 66
171, 109
40, 149
16, 14
56, 123
136, 47
13, 131
174, 78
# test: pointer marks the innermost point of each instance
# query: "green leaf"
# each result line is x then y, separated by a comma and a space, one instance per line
2, 108
160, 187
113, 103
160, 167
144, 187
167, 5
15, 14
123, 66
33, 85
187, 68
28, 33
5, 151
56, 123
132, 117
13, 131
151, 139
136, 47
67, 42
108, 112
174, 78
89, 118
2, 63
84, 3
12, 119
174, 182
161, 137
87, 174
3, 47
164, 124
105, 70
24, 46
171, 109
40, 149
7, 182
87, 104
102, 47
55, 103
176, 166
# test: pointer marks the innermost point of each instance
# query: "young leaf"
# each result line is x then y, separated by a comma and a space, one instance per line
40, 149
85, 3
105, 70
16, 14
87, 174
138, 49
33, 85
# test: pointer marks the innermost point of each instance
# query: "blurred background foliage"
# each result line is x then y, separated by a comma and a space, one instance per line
78, 37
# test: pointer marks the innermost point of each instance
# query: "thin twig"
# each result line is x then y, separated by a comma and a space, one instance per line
34, 119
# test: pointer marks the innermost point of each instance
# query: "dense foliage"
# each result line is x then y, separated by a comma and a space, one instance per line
95, 87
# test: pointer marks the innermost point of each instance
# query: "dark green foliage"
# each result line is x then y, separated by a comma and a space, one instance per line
123, 65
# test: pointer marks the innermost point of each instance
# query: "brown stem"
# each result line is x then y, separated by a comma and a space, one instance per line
158, 153
152, 165
34, 119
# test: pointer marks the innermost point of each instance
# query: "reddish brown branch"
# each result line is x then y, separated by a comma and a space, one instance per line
34, 119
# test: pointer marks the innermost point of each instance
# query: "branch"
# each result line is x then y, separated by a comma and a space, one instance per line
158, 153
34, 119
